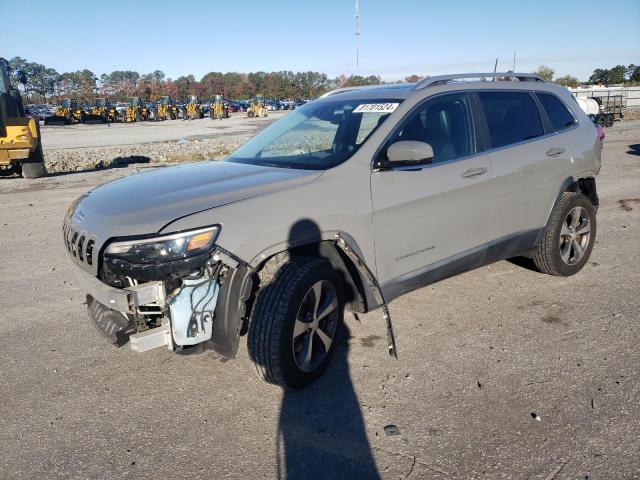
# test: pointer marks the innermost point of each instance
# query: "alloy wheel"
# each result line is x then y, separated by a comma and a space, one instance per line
315, 326
575, 235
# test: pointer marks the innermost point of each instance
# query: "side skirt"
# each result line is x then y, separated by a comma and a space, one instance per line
494, 251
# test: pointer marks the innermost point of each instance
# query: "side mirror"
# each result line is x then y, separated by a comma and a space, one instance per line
410, 152
22, 77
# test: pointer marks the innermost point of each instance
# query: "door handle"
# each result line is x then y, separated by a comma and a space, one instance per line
474, 172
555, 151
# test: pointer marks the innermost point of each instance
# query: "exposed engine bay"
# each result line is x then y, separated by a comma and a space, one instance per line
143, 313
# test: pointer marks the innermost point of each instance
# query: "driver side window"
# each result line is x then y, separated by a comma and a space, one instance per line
445, 124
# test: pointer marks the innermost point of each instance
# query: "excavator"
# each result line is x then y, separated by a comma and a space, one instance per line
218, 109
257, 107
136, 111
102, 110
192, 109
20, 147
166, 109
67, 113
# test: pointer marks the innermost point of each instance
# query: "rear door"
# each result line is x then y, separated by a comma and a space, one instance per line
425, 216
528, 159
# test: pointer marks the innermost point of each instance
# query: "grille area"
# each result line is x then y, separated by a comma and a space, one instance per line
80, 246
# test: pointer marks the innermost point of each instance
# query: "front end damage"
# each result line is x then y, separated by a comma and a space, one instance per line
178, 304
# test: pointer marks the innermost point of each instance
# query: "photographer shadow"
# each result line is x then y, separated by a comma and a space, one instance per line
321, 431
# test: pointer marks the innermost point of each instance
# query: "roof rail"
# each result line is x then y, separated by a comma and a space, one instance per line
347, 89
442, 79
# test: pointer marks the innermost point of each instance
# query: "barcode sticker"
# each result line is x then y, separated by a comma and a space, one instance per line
376, 107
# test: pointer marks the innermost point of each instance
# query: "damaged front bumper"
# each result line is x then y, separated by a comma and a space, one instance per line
206, 309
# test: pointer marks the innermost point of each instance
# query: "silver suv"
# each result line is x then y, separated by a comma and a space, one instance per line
345, 203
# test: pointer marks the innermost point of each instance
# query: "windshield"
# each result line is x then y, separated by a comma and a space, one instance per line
164, 100
316, 136
66, 103
99, 102
134, 102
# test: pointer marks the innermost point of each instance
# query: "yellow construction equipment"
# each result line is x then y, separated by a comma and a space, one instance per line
102, 110
136, 111
257, 108
20, 147
218, 109
192, 109
166, 109
67, 113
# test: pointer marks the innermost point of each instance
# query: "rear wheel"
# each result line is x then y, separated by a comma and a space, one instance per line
568, 238
295, 322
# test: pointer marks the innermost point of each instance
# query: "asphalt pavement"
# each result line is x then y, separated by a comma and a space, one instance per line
502, 372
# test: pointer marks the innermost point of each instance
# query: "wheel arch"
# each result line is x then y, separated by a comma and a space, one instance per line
581, 184
359, 297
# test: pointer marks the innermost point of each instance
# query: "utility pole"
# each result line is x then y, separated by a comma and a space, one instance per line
357, 34
514, 60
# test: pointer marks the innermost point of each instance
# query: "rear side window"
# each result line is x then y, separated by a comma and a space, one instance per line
557, 112
512, 117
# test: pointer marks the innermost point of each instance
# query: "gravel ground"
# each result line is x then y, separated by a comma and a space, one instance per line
503, 372
73, 148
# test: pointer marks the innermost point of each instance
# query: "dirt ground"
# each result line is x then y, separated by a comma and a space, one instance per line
502, 372
71, 148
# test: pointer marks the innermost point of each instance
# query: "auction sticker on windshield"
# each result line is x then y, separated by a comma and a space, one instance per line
376, 107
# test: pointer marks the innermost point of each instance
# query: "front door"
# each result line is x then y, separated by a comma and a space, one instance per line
432, 218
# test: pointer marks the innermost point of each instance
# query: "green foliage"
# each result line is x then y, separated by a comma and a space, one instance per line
568, 81
545, 72
616, 75
41, 80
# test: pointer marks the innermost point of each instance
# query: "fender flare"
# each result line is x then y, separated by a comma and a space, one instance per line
238, 286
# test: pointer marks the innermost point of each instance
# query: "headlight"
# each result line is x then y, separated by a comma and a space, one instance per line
166, 248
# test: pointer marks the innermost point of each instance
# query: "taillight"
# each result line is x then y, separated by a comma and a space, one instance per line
600, 132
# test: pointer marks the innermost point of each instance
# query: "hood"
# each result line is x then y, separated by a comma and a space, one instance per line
146, 202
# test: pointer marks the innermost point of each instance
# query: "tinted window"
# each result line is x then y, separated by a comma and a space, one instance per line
512, 117
557, 112
445, 124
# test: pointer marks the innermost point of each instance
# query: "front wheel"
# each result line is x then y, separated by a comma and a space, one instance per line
568, 238
295, 322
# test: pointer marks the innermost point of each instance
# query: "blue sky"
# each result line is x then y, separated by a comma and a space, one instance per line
398, 37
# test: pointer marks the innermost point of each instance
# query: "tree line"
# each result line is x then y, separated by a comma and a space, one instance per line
46, 84
618, 75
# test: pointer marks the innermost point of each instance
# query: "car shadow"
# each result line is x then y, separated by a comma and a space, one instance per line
634, 149
321, 431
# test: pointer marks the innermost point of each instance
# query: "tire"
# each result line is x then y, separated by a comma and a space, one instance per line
278, 356
563, 251
250, 113
112, 325
7, 170
34, 166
